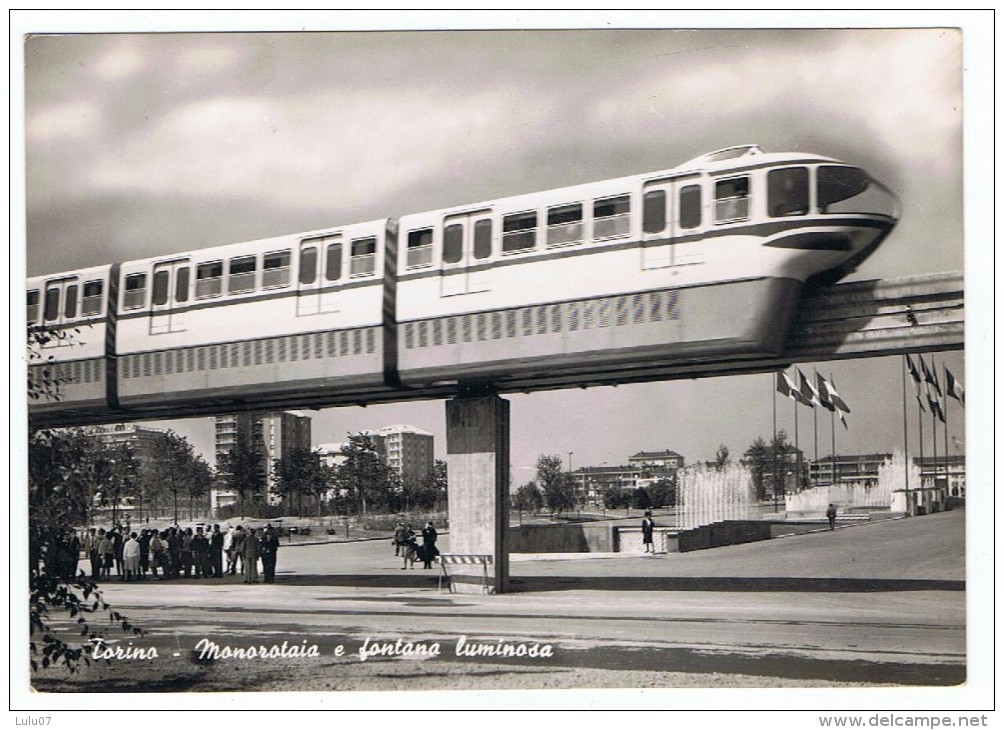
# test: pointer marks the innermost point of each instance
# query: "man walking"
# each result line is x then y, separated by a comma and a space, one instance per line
251, 551
269, 553
831, 515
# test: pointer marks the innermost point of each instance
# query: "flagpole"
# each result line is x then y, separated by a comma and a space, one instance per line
906, 444
833, 443
934, 443
948, 488
815, 444
773, 441
920, 428
798, 454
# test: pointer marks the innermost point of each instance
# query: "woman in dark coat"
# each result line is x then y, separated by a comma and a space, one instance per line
429, 551
647, 528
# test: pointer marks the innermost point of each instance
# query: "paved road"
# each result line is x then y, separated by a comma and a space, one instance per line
876, 603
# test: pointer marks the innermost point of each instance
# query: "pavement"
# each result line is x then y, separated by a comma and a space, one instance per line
879, 603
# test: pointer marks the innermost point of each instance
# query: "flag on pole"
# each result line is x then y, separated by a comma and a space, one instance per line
913, 369
793, 392
783, 386
810, 396
954, 388
921, 385
824, 394
828, 392
930, 374
932, 401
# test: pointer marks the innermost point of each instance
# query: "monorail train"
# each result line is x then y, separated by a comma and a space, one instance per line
705, 261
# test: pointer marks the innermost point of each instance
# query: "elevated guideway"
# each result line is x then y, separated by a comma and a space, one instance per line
873, 318
862, 319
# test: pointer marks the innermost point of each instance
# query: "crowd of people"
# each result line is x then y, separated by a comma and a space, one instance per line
406, 545
176, 552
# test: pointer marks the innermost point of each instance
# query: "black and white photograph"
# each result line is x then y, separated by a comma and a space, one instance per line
583, 360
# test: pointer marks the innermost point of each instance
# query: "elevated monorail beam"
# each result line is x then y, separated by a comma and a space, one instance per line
874, 318
854, 320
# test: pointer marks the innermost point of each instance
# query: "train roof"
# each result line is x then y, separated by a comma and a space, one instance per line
728, 159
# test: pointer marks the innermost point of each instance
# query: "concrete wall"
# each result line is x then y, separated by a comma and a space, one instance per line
731, 532
562, 538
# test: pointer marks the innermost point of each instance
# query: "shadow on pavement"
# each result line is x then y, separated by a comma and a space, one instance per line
536, 584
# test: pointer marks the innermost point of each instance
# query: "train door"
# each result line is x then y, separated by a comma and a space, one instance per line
656, 224
169, 296
321, 269
60, 304
467, 248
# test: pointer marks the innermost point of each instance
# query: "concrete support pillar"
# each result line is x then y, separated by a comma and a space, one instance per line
477, 454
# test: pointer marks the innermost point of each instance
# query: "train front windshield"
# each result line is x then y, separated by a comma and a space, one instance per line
849, 190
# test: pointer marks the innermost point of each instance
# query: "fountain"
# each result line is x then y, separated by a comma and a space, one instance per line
709, 494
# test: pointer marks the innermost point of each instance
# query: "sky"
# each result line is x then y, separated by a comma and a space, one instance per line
142, 144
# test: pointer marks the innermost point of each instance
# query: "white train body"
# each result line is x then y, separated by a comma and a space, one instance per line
704, 261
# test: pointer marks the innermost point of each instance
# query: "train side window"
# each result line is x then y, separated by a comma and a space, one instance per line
453, 243
92, 298
519, 232
308, 265
134, 296
333, 270
70, 301
564, 224
242, 274
419, 248
732, 200
788, 192
181, 284
483, 238
33, 299
275, 269
209, 279
51, 311
363, 260
653, 214
690, 206
612, 217
161, 286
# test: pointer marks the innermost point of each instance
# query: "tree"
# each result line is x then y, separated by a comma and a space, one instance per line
60, 481
363, 473
640, 498
299, 473
760, 462
721, 457
663, 492
555, 483
769, 463
175, 467
528, 498
242, 470
615, 498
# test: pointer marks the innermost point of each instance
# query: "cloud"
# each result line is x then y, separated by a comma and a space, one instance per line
72, 120
207, 60
901, 87
122, 60
323, 150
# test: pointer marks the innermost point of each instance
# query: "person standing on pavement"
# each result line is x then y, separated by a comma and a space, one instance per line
400, 538
130, 558
216, 551
251, 551
238, 548
429, 551
831, 515
647, 530
269, 553
91, 545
